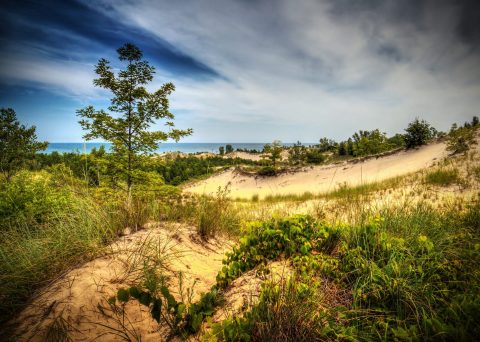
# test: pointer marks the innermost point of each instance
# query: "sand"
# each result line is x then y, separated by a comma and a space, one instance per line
320, 179
79, 298
244, 155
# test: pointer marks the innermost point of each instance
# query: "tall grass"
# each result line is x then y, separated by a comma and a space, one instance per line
217, 215
443, 177
41, 240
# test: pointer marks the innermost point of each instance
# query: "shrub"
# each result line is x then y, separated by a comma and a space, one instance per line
459, 140
31, 199
267, 171
288, 310
314, 156
418, 133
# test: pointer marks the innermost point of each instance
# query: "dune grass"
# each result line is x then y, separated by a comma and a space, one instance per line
45, 229
443, 177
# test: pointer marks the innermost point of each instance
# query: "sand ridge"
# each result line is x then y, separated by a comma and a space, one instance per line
320, 179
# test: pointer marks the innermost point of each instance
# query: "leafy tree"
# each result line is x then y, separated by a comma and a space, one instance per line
273, 151
475, 121
419, 132
342, 149
17, 143
327, 145
369, 142
297, 154
136, 110
228, 149
221, 149
350, 147
397, 140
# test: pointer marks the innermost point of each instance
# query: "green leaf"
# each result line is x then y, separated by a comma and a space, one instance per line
156, 309
134, 292
145, 298
168, 296
123, 295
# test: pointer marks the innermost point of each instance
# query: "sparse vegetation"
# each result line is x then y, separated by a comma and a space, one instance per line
216, 215
443, 177
460, 139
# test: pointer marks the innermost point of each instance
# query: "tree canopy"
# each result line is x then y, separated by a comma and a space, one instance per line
17, 142
418, 133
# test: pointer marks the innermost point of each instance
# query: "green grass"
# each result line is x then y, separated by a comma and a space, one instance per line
49, 229
443, 177
412, 274
341, 192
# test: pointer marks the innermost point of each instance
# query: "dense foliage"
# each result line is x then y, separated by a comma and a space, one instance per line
180, 169
17, 143
411, 276
418, 133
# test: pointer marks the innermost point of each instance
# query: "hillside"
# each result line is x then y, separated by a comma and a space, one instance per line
321, 179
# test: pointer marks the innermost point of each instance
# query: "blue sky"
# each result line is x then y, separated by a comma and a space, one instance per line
250, 71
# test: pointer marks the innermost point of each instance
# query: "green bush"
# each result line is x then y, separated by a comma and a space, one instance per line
418, 133
267, 171
412, 275
31, 199
314, 156
459, 140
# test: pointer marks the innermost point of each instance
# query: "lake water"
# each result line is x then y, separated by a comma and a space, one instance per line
163, 147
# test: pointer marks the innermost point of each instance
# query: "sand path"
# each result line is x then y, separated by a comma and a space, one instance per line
319, 179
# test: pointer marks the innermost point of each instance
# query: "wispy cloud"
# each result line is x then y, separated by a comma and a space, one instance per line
260, 70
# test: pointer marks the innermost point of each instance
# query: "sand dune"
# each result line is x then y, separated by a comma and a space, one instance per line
80, 296
318, 179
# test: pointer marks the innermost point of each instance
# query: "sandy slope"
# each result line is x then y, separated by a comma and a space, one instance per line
80, 296
319, 179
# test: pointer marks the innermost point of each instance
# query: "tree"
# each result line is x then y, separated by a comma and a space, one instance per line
475, 121
419, 132
136, 110
398, 140
17, 143
297, 154
273, 151
342, 149
369, 142
327, 145
221, 149
228, 149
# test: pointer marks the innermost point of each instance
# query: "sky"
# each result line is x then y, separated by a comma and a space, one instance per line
250, 71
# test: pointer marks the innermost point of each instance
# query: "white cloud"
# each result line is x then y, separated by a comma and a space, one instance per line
297, 64
294, 69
